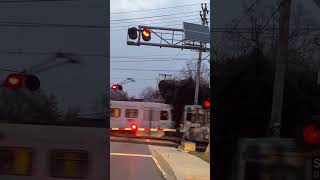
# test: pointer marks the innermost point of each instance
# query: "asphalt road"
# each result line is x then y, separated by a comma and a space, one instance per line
130, 161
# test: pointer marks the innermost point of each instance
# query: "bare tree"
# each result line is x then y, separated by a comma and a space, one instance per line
258, 28
119, 95
150, 94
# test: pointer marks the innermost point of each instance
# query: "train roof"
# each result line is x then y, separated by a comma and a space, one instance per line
144, 104
77, 122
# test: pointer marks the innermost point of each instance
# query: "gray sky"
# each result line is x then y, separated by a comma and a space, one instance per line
119, 45
224, 12
74, 85
81, 85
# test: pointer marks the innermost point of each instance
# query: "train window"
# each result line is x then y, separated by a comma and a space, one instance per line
164, 115
131, 113
69, 164
115, 112
15, 161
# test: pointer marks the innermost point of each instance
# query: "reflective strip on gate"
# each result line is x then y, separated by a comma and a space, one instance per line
143, 129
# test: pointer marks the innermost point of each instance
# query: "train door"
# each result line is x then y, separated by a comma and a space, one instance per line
150, 119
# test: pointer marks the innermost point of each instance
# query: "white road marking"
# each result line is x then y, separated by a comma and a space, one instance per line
158, 165
133, 155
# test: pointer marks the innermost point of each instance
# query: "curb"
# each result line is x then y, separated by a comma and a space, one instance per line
148, 143
164, 165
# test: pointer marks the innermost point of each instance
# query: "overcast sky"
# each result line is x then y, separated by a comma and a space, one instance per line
119, 24
75, 85
122, 17
80, 85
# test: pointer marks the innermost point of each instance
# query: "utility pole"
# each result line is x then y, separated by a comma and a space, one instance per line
165, 75
281, 66
204, 20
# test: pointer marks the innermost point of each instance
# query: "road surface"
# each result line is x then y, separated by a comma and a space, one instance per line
130, 161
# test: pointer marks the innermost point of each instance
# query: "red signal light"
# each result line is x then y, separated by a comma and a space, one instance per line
134, 127
206, 104
14, 81
311, 134
114, 87
146, 34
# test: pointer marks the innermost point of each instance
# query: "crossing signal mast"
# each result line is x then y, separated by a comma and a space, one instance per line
192, 36
189, 37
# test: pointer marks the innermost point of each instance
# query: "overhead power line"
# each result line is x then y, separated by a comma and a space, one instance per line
137, 79
9, 70
47, 53
151, 55
143, 10
148, 17
157, 23
273, 14
156, 19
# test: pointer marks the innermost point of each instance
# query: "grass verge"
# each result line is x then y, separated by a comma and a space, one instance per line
202, 155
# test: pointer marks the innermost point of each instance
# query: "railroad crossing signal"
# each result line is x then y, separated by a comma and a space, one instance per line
116, 87
308, 136
311, 134
32, 82
206, 104
17, 81
146, 34
14, 81
133, 33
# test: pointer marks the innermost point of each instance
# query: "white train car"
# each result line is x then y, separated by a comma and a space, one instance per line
124, 114
46, 152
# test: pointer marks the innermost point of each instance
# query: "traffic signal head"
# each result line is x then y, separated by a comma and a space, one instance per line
133, 33
14, 81
206, 104
146, 34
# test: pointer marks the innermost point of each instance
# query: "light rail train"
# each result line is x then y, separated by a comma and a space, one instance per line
48, 152
125, 114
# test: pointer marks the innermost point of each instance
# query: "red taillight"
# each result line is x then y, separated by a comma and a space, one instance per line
134, 127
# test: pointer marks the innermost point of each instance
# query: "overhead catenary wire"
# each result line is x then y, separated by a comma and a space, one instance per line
144, 10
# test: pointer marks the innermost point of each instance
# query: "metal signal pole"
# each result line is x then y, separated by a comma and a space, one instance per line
203, 16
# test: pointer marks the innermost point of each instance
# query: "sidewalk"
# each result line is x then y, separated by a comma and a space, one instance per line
179, 165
